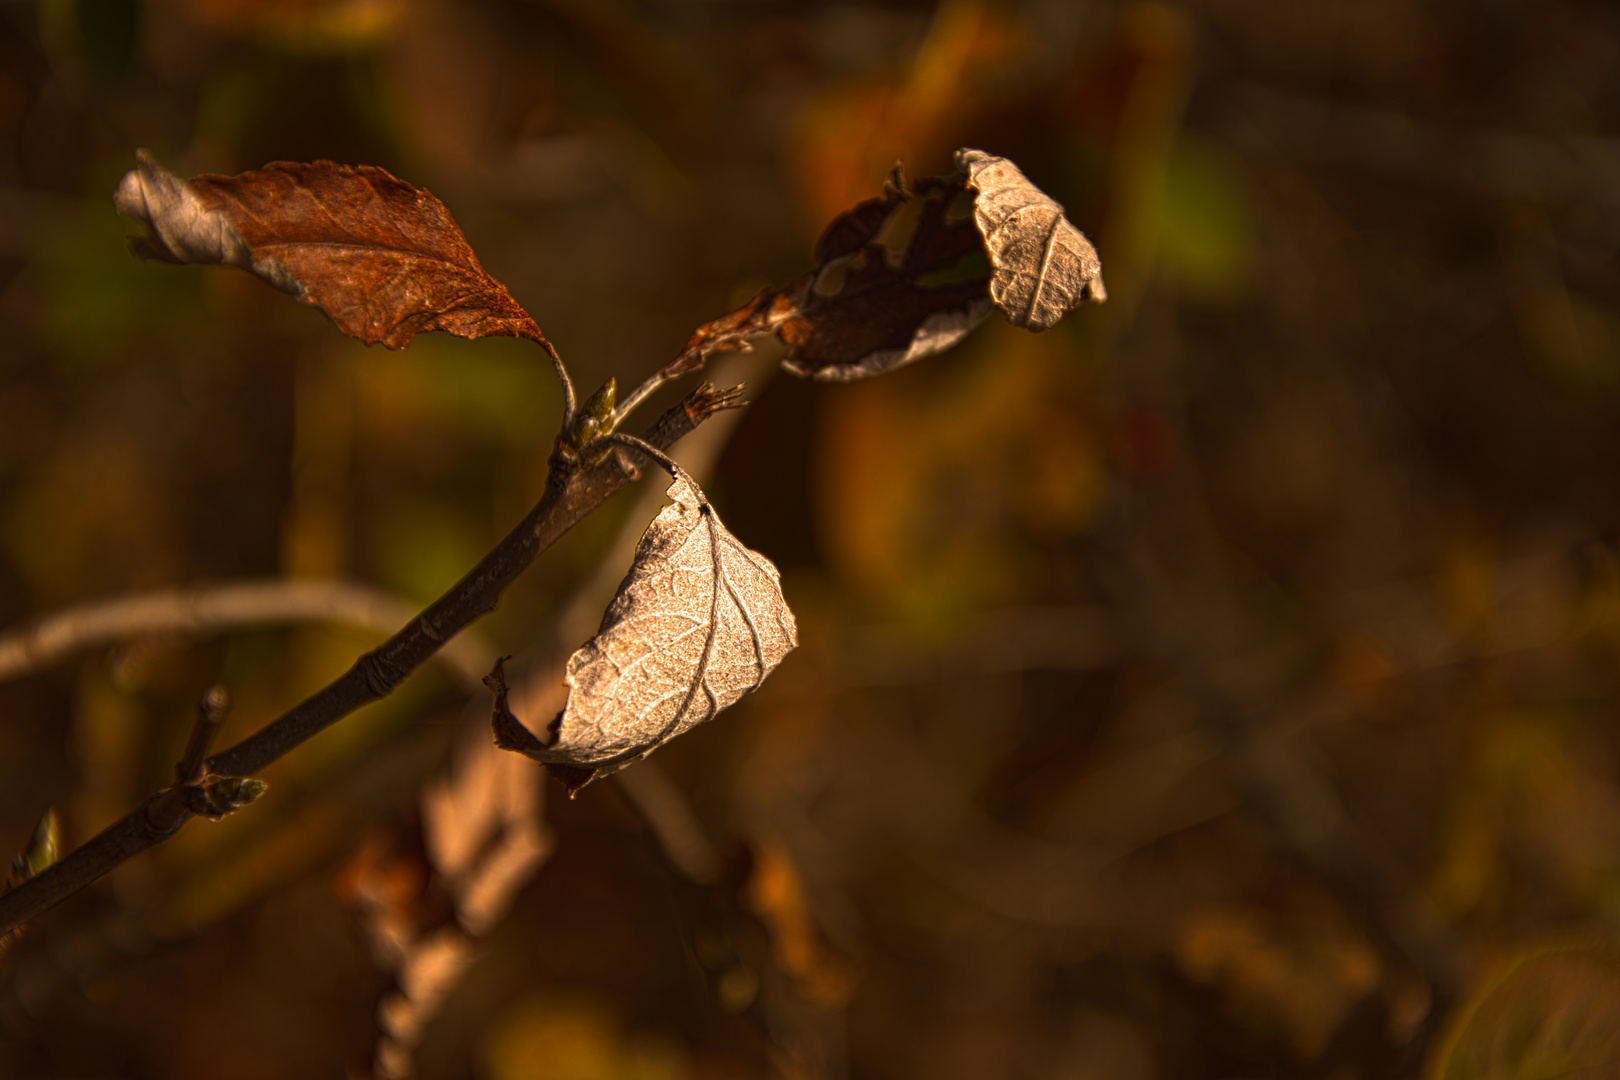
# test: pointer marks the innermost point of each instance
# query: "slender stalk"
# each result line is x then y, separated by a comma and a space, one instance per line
570, 406
576, 486
206, 609
639, 394
210, 712
670, 465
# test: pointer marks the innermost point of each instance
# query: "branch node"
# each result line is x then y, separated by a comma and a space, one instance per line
219, 796
379, 673
196, 790
627, 466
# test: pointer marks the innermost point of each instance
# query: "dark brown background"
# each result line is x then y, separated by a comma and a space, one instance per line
1219, 685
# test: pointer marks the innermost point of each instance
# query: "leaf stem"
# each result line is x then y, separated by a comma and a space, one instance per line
669, 463
639, 394
570, 406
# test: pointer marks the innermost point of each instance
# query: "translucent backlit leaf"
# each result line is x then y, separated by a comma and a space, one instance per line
699, 621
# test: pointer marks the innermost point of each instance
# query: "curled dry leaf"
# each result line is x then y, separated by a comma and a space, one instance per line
699, 621
384, 260
910, 273
1044, 265
897, 278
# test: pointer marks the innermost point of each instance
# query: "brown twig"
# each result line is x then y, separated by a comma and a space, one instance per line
153, 822
173, 805
209, 608
210, 711
573, 489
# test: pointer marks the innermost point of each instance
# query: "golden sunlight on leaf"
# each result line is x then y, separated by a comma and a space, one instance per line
384, 260
912, 272
1044, 265
699, 621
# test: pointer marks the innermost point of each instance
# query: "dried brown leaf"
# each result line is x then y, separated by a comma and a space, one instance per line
698, 622
910, 273
1044, 265
898, 278
384, 260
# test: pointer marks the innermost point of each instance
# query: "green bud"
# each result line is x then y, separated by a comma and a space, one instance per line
596, 418
224, 796
42, 849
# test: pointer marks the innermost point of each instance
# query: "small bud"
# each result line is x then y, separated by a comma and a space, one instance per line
224, 796
41, 851
595, 419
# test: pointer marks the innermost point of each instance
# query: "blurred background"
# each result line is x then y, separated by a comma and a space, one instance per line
1219, 685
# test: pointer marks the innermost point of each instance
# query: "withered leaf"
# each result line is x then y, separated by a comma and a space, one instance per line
384, 260
910, 273
698, 622
898, 278
1044, 265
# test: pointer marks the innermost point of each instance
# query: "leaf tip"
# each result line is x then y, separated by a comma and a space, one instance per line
574, 778
142, 194
496, 679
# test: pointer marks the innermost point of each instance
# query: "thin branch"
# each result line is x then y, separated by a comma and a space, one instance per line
210, 711
691, 359
574, 488
207, 609
639, 394
735, 332
670, 465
